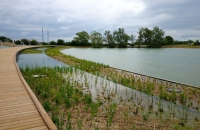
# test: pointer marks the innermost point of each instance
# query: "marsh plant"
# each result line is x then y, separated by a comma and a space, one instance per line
75, 99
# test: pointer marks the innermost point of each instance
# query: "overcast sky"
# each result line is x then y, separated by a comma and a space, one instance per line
64, 18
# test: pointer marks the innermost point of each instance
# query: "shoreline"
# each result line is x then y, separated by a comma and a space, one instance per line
157, 78
180, 46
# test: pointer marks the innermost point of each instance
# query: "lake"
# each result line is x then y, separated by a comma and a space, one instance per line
174, 64
39, 60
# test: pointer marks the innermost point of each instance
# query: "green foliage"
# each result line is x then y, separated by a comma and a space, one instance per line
109, 39
132, 39
183, 98
110, 112
60, 42
46, 105
17, 42
96, 39
94, 109
52, 91
25, 41
190, 41
168, 40
68, 125
82, 39
52, 43
121, 38
196, 43
5, 39
31, 51
88, 99
152, 38
157, 37
173, 96
33, 42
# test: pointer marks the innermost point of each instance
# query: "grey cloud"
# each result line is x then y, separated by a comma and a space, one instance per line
25, 19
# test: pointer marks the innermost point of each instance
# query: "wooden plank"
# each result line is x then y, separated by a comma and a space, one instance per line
8, 116
16, 106
19, 107
21, 117
38, 128
18, 110
23, 124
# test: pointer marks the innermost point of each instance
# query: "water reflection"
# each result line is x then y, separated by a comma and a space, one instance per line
107, 91
41, 60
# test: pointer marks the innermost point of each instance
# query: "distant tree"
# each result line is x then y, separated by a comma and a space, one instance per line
5, 39
121, 37
82, 39
132, 39
168, 40
190, 41
109, 39
96, 39
152, 38
25, 41
52, 43
68, 43
157, 37
60, 42
196, 43
17, 42
74, 43
45, 43
33, 42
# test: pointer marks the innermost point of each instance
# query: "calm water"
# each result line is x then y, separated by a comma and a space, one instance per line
1, 47
41, 60
175, 64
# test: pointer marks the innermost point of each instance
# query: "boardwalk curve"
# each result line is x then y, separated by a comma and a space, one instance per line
19, 107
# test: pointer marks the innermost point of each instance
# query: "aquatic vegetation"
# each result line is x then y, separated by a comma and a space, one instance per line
63, 92
31, 51
76, 99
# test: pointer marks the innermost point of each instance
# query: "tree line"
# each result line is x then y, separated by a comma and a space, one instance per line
152, 38
119, 38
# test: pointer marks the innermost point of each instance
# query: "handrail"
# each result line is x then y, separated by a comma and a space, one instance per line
39, 107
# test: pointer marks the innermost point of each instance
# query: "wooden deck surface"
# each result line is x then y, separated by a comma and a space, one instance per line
19, 108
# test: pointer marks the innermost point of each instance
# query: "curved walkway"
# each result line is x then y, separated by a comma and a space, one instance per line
19, 108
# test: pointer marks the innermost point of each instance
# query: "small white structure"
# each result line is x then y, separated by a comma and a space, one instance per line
1, 44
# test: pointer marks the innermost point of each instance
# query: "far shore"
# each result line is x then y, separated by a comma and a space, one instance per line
180, 46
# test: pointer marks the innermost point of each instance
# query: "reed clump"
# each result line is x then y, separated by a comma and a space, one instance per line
31, 51
147, 85
75, 99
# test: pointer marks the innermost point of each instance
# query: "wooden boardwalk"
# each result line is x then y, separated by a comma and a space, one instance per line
19, 108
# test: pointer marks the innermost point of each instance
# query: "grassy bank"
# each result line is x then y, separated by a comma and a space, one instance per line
180, 46
31, 51
144, 84
70, 108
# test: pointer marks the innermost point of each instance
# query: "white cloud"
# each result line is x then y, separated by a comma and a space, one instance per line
65, 28
177, 18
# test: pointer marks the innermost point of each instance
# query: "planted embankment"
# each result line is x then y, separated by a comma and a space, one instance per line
153, 86
65, 93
